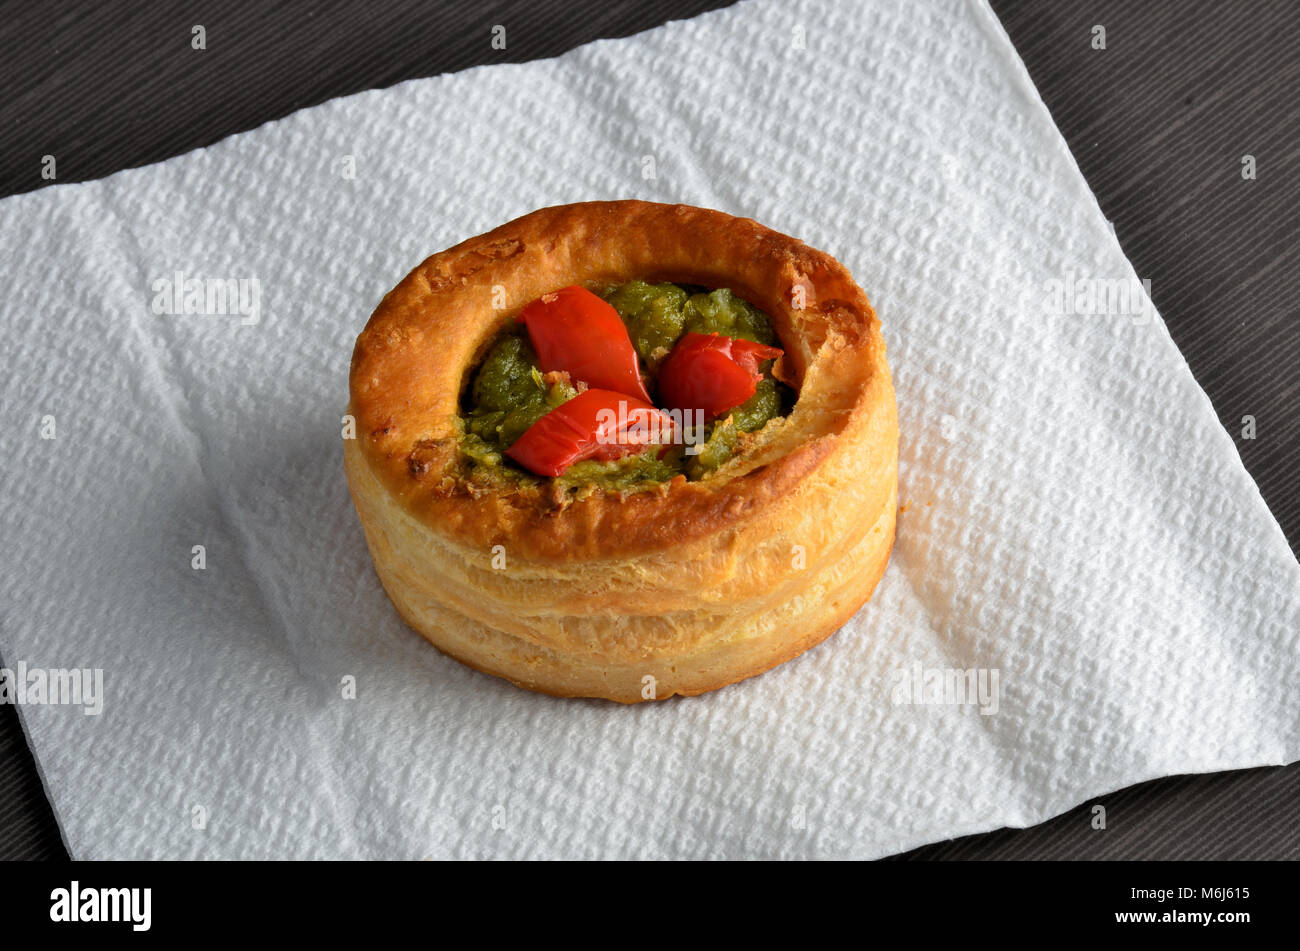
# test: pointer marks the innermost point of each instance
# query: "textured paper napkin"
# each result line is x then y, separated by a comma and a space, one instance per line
1079, 531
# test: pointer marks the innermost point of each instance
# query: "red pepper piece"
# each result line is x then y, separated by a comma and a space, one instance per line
595, 424
575, 331
712, 373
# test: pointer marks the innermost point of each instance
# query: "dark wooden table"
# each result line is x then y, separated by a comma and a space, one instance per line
1158, 122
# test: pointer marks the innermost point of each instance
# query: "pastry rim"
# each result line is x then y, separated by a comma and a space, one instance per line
411, 363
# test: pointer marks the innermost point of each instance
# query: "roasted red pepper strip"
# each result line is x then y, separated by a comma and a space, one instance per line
595, 424
575, 331
712, 373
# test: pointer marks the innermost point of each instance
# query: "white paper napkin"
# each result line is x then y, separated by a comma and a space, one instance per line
1079, 530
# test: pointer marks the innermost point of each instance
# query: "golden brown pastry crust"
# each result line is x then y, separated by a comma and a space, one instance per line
693, 584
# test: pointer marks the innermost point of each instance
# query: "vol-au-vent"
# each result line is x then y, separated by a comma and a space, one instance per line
625, 449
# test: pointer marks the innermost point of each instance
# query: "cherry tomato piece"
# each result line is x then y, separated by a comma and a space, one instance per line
712, 373
575, 331
595, 424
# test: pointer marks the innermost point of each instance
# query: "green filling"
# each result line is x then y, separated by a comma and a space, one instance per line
627, 472
508, 393
654, 315
759, 408
722, 312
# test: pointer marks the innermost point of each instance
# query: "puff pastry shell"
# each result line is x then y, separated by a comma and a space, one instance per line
679, 589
